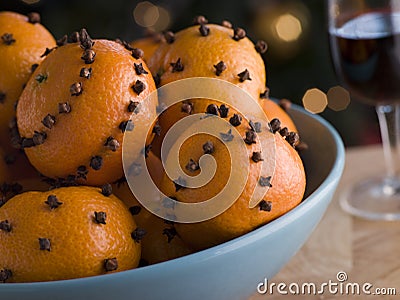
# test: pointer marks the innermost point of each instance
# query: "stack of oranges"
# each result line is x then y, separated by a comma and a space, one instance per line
65, 108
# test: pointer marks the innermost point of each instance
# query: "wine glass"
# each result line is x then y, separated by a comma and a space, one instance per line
365, 50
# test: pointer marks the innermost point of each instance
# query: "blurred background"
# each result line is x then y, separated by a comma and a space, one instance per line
297, 61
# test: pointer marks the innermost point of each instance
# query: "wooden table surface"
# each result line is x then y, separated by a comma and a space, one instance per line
367, 251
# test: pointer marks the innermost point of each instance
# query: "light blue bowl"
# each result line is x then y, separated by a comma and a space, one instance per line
228, 271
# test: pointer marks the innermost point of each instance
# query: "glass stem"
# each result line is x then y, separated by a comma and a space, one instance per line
389, 122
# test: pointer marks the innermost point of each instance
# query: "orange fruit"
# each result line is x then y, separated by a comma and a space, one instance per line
74, 111
122, 190
23, 41
220, 55
286, 191
273, 110
69, 232
191, 54
161, 242
148, 45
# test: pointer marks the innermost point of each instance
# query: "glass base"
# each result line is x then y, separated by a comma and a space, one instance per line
373, 199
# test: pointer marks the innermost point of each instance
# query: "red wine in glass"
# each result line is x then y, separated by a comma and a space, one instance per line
366, 54
365, 50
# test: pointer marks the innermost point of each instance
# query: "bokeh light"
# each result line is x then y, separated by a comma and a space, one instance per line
315, 101
284, 25
150, 16
163, 19
338, 98
288, 27
146, 14
30, 1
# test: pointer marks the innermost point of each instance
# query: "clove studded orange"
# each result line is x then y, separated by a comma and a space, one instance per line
77, 105
69, 232
286, 186
215, 51
22, 45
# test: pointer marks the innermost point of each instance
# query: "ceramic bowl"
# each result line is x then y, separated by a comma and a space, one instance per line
233, 269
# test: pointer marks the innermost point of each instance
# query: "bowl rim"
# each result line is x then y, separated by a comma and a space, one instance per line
229, 246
